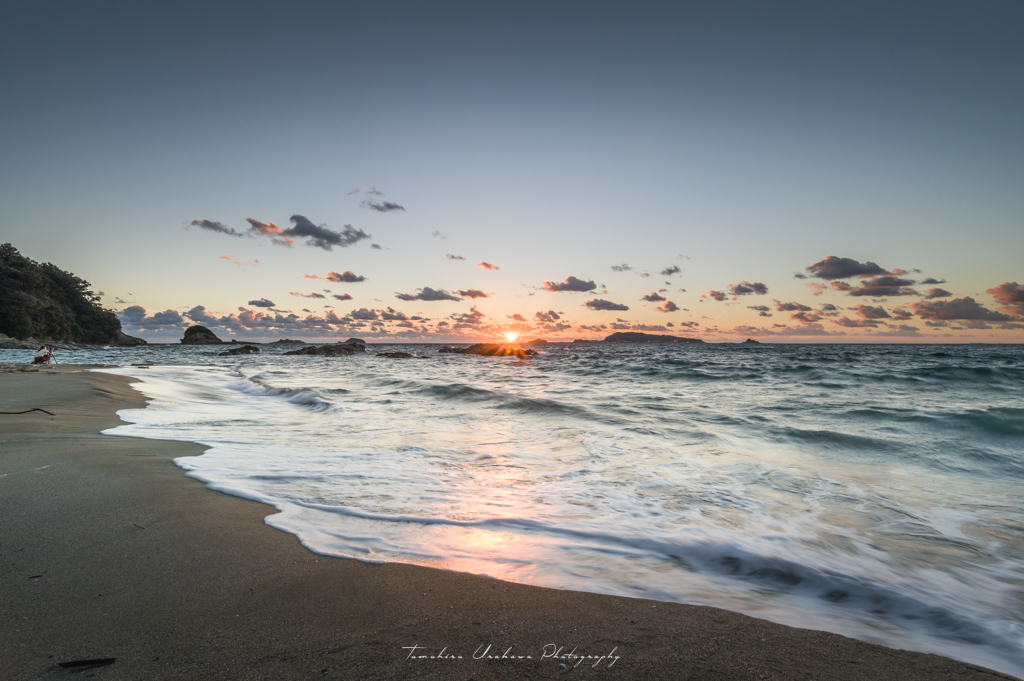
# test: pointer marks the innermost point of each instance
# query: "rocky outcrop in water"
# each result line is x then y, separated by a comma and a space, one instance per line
492, 350
336, 350
355, 341
243, 350
750, 341
395, 355
200, 335
637, 337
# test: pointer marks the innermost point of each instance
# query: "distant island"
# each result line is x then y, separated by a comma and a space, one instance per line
42, 303
637, 337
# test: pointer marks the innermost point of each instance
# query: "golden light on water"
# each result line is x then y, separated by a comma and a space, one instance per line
511, 335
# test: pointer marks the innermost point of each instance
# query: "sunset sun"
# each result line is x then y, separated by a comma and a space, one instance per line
511, 336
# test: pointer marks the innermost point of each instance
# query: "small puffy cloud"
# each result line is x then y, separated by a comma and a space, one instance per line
791, 307
376, 247
252, 262
933, 293
474, 293
957, 309
549, 317
428, 294
199, 315
570, 284
347, 277
817, 288
746, 288
1010, 294
670, 270
881, 287
669, 306
848, 323
342, 296
137, 316
869, 312
214, 226
393, 315
487, 265
604, 305
844, 268
829, 307
931, 282
322, 236
717, 295
269, 230
621, 268
262, 302
453, 257
762, 310
901, 313
805, 317
381, 207
438, 235
314, 294
653, 298
363, 314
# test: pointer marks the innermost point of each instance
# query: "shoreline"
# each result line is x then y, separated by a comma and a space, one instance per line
110, 550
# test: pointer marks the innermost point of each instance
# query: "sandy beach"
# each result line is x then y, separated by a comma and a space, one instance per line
110, 551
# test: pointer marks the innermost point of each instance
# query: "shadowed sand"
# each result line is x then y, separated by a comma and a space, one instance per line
108, 550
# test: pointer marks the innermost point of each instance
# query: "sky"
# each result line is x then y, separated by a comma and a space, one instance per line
444, 172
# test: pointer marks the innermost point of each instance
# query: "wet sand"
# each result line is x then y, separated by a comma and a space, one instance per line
107, 550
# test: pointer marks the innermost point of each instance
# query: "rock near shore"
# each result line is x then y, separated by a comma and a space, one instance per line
492, 350
200, 335
336, 350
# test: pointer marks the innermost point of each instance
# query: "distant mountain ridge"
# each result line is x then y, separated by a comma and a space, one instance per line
638, 337
45, 303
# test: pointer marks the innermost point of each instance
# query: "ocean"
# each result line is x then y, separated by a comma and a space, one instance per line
869, 490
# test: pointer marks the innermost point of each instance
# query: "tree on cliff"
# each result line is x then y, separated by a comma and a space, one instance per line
45, 302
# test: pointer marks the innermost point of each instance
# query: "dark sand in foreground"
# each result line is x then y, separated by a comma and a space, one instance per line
108, 550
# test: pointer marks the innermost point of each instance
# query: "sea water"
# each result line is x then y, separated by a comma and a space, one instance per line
874, 491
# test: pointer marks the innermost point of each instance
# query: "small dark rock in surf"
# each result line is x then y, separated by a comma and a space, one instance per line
336, 350
244, 350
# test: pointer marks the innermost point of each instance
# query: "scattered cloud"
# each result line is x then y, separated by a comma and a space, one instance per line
869, 312
269, 230
878, 287
929, 281
382, 207
669, 306
933, 293
474, 293
746, 288
347, 277
1011, 295
262, 302
322, 236
438, 235
817, 288
252, 262
570, 284
428, 294
487, 265
314, 294
372, 191
605, 305
670, 270
453, 257
199, 315
791, 307
137, 316
621, 268
653, 298
762, 310
717, 295
363, 314
214, 226
844, 268
342, 296
957, 309
376, 247
549, 317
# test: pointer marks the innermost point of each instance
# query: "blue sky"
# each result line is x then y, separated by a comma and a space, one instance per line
738, 142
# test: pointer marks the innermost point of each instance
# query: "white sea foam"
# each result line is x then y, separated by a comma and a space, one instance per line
738, 482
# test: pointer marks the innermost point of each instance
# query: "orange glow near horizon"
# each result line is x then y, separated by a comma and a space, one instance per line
511, 335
